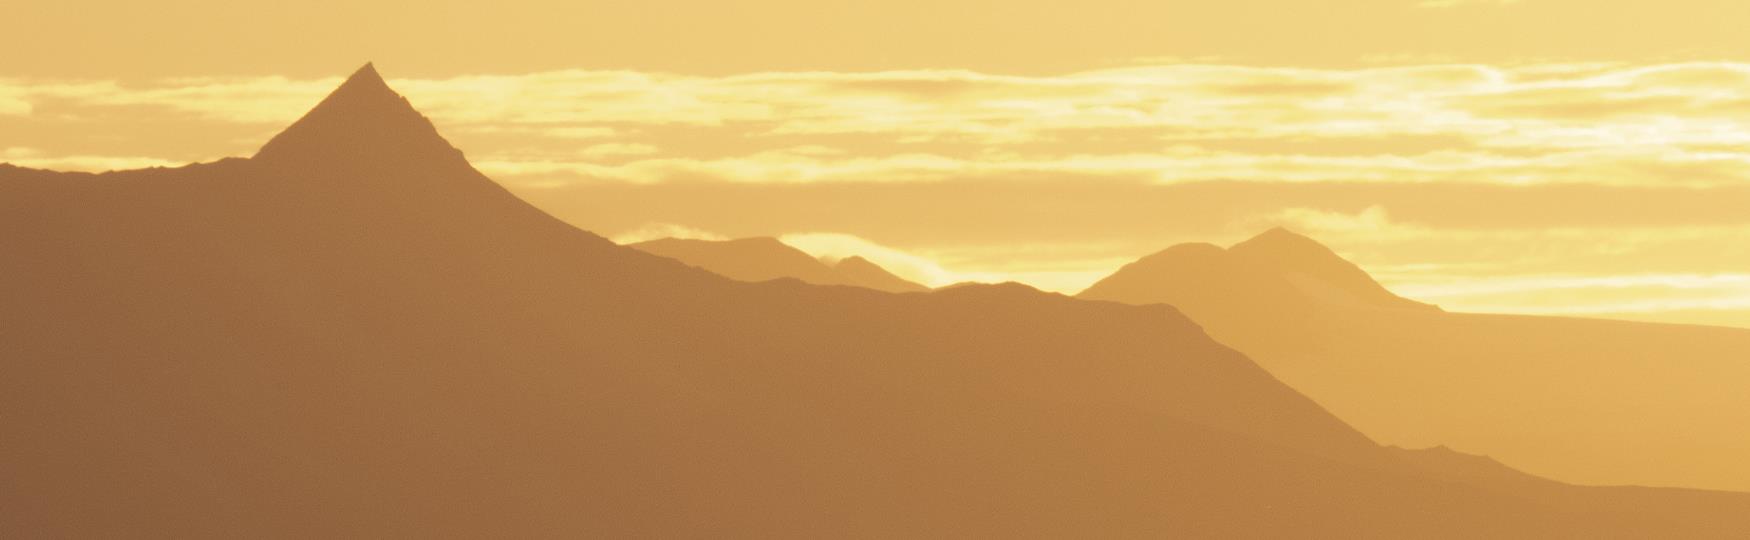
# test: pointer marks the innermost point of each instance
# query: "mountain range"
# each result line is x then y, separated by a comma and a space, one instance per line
1582, 400
354, 333
763, 259
1328, 328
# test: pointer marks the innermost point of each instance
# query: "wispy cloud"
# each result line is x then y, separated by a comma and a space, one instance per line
656, 231
1441, 4
12, 105
1553, 123
1653, 129
37, 159
937, 269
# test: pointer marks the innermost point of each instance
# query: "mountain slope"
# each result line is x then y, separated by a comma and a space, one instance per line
356, 334
765, 259
1590, 401
1278, 275
1319, 273
866, 273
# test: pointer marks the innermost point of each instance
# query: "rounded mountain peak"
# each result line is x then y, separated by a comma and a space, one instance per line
1314, 266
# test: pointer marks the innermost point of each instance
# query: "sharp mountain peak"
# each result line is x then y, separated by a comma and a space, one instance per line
363, 122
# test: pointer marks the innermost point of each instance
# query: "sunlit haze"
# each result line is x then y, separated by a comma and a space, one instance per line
1429, 269
1521, 172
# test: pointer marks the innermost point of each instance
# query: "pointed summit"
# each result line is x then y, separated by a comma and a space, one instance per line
367, 73
363, 123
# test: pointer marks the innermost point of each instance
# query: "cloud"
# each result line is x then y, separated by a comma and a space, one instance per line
13, 105
19, 152
1410, 125
263, 100
833, 246
1646, 295
1442, 4
1686, 123
1371, 222
35, 159
656, 231
613, 150
581, 132
1518, 284
1065, 277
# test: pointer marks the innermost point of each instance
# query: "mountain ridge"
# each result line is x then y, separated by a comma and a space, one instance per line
1410, 374
383, 342
1290, 273
766, 258
864, 271
361, 122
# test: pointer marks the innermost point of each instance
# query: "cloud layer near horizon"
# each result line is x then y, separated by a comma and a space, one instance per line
1576, 123
1589, 188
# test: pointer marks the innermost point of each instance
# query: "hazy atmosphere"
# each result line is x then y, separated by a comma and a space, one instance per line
1468, 269
1519, 172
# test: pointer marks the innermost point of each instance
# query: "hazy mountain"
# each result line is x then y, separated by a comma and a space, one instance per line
765, 259
355, 334
1590, 401
1318, 274
1277, 277
863, 272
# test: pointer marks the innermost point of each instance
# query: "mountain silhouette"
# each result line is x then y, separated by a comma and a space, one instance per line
1318, 273
363, 126
863, 272
764, 259
1278, 274
1589, 401
356, 334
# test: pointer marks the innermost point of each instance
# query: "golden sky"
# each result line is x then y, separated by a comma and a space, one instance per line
1531, 156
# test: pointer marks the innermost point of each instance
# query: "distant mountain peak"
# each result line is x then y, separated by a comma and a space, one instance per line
767, 242
1301, 259
864, 272
363, 122
744, 259
766, 258
1278, 270
765, 246
1277, 231
1197, 251
1284, 241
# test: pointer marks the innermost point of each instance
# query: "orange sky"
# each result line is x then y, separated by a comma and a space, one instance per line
1529, 156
